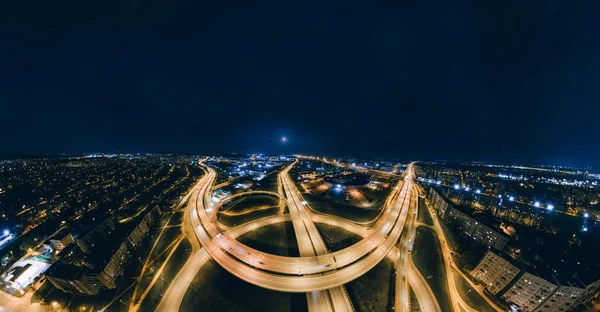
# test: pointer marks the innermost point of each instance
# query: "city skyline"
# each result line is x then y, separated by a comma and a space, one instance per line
165, 232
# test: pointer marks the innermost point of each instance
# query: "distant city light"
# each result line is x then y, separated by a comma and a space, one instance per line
478, 191
585, 229
284, 139
500, 196
537, 204
511, 198
586, 215
6, 232
550, 206
467, 188
439, 182
456, 186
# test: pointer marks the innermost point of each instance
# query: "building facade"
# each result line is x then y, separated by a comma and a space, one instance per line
563, 299
494, 272
529, 292
473, 229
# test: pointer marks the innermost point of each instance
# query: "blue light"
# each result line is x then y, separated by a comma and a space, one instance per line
6, 232
586, 215
478, 191
537, 204
585, 229
550, 207
511, 198
456, 186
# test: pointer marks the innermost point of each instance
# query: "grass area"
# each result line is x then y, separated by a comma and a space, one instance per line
120, 305
376, 197
336, 238
214, 289
248, 209
177, 218
353, 213
471, 296
455, 241
247, 217
424, 215
429, 260
414, 303
169, 235
374, 291
249, 203
466, 255
179, 257
269, 183
277, 239
166, 239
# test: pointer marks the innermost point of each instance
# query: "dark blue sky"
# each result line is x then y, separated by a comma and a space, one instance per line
501, 81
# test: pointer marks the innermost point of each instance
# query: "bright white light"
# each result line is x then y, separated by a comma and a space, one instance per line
338, 185
353, 164
537, 204
304, 202
6, 232
439, 182
512, 198
478, 191
586, 215
284, 139
500, 196
550, 206
467, 188
456, 186
585, 229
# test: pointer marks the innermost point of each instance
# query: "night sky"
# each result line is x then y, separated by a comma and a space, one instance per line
498, 81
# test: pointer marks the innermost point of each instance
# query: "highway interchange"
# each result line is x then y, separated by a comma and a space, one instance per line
317, 272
